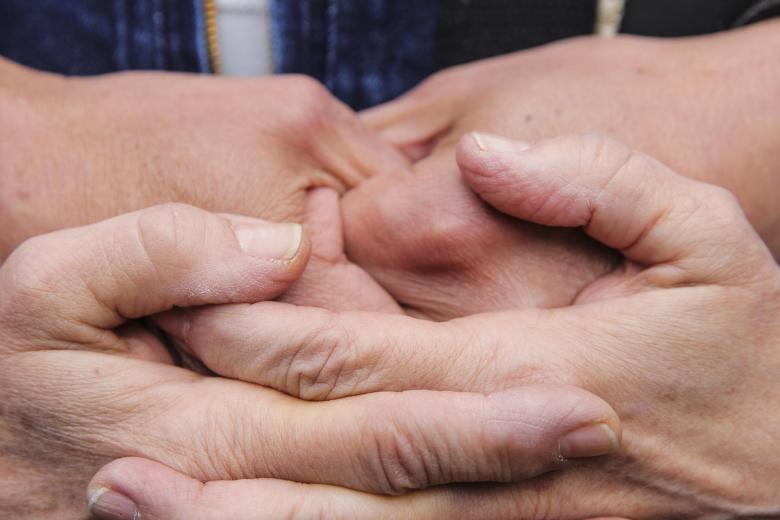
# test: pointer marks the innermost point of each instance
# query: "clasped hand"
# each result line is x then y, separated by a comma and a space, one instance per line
588, 303
681, 339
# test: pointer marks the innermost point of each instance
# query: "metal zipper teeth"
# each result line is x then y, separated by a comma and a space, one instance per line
212, 37
270, 40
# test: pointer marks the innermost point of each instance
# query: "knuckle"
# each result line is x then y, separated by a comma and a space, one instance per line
599, 152
448, 231
721, 200
598, 143
323, 365
25, 270
537, 504
713, 211
31, 279
402, 460
303, 86
310, 105
427, 234
169, 234
612, 163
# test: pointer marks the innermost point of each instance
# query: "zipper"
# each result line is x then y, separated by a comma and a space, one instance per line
270, 39
212, 38
609, 17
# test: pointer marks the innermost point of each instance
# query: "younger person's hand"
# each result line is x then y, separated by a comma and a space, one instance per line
77, 150
707, 106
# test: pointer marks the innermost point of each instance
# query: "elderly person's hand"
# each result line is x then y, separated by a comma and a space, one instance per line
83, 381
683, 339
443, 253
707, 106
77, 150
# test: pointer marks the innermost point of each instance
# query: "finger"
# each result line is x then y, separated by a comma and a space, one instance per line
133, 488
622, 198
317, 354
94, 278
331, 281
151, 491
577, 493
385, 442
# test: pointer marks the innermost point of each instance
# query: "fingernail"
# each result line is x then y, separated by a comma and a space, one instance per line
107, 504
494, 143
269, 241
589, 441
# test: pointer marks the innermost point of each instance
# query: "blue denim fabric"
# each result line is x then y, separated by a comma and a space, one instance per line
364, 51
78, 37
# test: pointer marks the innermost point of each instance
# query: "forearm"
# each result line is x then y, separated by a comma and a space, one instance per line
740, 77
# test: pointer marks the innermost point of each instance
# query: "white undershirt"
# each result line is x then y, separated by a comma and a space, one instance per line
244, 32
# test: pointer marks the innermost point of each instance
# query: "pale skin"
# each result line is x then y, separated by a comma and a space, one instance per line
205, 140
83, 382
78, 150
683, 340
706, 106
260, 149
64, 205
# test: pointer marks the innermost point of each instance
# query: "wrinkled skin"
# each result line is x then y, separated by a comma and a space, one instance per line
78, 150
683, 340
432, 244
443, 253
82, 382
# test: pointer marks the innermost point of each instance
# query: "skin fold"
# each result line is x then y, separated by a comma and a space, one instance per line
422, 230
78, 150
682, 339
82, 381
706, 106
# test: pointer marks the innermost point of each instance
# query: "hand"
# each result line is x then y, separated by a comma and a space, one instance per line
82, 381
75, 151
655, 95
331, 280
443, 253
683, 340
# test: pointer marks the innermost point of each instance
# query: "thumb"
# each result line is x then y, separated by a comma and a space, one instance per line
331, 281
621, 198
146, 262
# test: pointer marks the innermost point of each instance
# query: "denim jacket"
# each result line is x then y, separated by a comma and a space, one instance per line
364, 51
